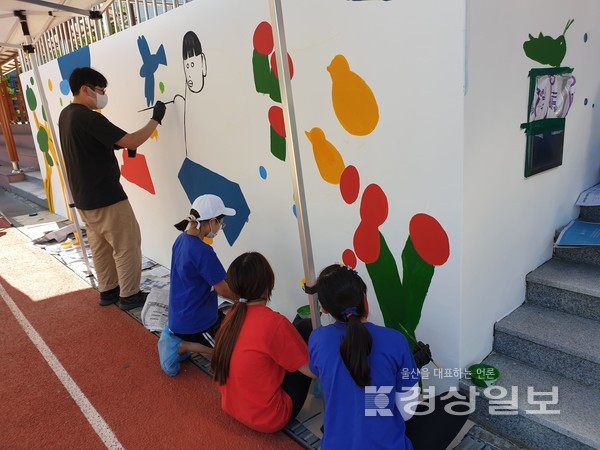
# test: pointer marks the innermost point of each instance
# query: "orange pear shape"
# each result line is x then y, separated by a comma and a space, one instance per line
329, 161
353, 100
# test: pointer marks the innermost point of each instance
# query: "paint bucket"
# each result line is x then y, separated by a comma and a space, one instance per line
304, 312
483, 375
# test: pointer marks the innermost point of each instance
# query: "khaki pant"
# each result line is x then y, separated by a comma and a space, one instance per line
114, 237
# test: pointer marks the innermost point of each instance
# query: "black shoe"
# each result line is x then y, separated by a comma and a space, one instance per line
109, 297
133, 301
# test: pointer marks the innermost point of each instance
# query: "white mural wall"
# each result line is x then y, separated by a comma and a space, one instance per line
510, 220
418, 181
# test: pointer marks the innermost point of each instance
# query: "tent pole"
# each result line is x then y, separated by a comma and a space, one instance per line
29, 49
293, 153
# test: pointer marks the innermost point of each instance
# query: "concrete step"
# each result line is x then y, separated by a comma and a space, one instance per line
566, 286
34, 175
31, 190
20, 128
27, 157
479, 438
7, 176
587, 254
553, 341
21, 141
589, 213
574, 428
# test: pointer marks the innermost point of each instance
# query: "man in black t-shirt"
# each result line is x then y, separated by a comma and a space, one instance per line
88, 141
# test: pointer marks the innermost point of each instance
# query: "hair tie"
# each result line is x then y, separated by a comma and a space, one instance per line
243, 300
348, 268
348, 313
191, 218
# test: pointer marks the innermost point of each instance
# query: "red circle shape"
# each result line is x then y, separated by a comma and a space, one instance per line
263, 38
276, 120
373, 206
430, 239
349, 258
274, 65
350, 184
366, 243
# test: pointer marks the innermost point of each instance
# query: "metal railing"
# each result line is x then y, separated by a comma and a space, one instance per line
78, 32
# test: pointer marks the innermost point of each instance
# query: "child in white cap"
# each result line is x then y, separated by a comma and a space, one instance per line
197, 276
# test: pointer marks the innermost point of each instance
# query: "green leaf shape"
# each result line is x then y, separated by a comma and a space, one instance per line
262, 73
49, 159
277, 145
417, 276
161, 87
401, 301
42, 139
31, 98
387, 284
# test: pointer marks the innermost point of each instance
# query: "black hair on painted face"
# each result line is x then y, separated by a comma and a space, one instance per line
191, 45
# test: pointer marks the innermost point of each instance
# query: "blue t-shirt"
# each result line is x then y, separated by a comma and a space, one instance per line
195, 269
348, 424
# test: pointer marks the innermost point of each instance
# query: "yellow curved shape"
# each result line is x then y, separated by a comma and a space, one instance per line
353, 100
329, 161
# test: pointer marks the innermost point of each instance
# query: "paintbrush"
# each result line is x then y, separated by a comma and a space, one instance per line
166, 103
150, 107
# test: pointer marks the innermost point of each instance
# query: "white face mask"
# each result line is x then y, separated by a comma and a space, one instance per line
212, 234
101, 101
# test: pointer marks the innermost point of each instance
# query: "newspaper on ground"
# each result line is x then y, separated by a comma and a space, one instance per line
589, 197
155, 313
56, 235
579, 233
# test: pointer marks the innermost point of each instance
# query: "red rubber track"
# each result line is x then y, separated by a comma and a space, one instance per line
112, 359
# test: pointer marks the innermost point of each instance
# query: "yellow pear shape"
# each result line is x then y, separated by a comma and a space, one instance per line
353, 100
329, 161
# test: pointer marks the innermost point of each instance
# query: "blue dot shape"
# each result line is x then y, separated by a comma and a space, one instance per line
263, 172
585, 36
294, 210
585, 101
64, 87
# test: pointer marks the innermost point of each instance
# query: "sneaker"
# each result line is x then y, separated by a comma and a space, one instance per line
168, 346
133, 301
109, 297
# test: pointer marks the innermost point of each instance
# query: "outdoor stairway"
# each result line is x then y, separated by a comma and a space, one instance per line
28, 183
552, 340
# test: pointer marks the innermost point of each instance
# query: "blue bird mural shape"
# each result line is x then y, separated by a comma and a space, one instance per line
150, 63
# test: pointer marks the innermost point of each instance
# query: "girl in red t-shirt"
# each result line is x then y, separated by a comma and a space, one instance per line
260, 361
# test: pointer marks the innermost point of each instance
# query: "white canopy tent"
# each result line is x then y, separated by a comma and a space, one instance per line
41, 16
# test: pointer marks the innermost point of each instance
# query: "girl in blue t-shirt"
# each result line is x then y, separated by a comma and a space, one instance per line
367, 372
197, 277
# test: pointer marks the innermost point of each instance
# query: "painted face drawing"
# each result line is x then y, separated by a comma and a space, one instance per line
194, 62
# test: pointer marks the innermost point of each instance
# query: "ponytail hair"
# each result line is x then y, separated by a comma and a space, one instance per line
193, 217
182, 226
342, 293
225, 341
251, 278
